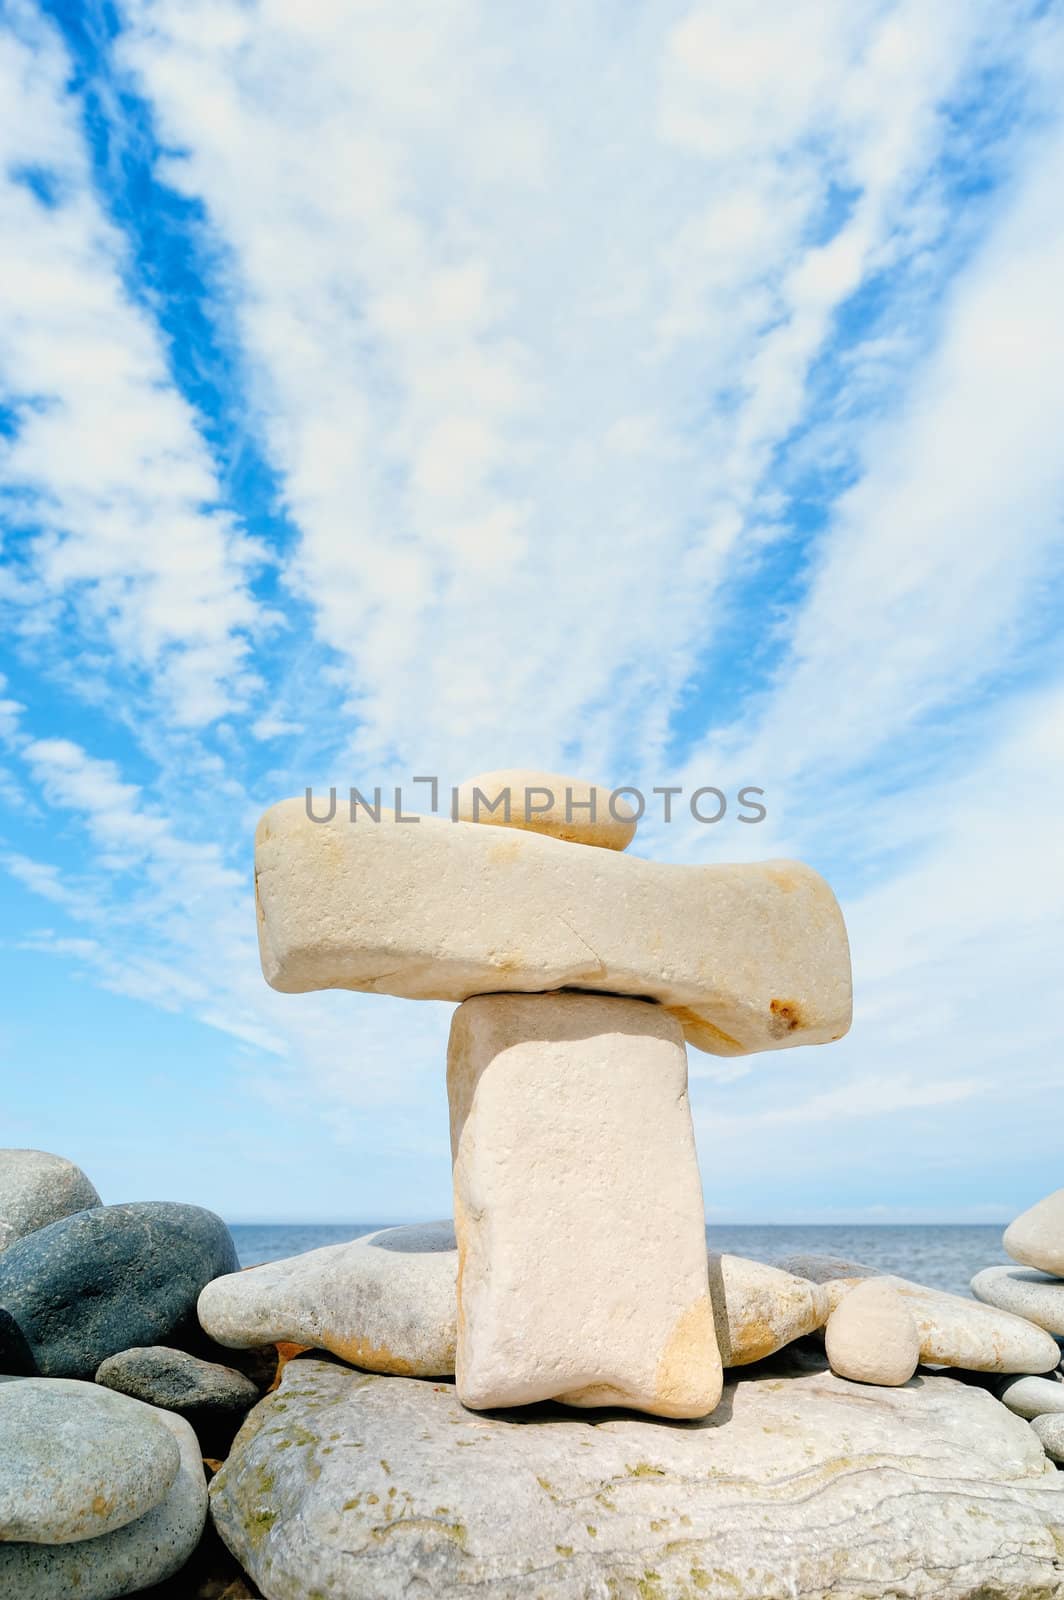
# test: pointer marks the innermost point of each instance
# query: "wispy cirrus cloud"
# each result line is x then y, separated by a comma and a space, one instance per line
674, 399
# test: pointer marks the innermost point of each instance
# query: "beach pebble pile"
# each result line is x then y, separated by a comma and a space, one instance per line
103, 1489
1034, 1290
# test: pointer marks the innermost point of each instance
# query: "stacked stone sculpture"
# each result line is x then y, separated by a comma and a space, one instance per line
581, 975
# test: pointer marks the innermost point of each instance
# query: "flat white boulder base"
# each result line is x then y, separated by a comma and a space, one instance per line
957, 1332
799, 1485
1021, 1290
747, 958
141, 1553
550, 803
1036, 1238
388, 1303
578, 1209
385, 1302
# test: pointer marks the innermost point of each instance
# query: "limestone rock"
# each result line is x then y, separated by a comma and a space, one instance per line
747, 958
956, 1332
1024, 1292
1050, 1430
77, 1461
758, 1309
1036, 1238
548, 802
578, 1207
385, 1302
1032, 1397
177, 1381
145, 1551
798, 1484
871, 1336
37, 1188
101, 1281
824, 1269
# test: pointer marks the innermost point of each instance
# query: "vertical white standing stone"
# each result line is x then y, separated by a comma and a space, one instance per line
578, 1207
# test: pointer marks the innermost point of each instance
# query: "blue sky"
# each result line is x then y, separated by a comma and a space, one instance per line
665, 395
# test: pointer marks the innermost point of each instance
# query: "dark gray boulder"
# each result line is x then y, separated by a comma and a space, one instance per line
104, 1280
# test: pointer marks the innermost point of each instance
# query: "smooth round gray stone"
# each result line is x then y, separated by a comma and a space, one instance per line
37, 1188
78, 1461
144, 1552
346, 1484
177, 1381
1032, 1397
822, 1269
104, 1280
1050, 1429
1024, 1292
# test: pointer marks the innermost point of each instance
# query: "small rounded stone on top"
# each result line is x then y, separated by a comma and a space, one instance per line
547, 802
872, 1337
1036, 1238
79, 1461
37, 1188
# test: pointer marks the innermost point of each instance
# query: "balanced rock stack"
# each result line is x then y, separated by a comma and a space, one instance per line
579, 1217
1034, 1291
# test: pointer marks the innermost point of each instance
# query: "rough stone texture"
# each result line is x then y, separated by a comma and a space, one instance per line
37, 1188
589, 819
1050, 1431
578, 1207
385, 1302
823, 1269
871, 1336
133, 1273
77, 1461
747, 958
1024, 1292
956, 1332
396, 1311
1037, 1236
799, 1484
177, 1381
145, 1551
758, 1309
1032, 1397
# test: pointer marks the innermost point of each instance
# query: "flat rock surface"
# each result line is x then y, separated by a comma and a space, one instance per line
77, 1460
747, 958
37, 1188
143, 1552
102, 1281
1024, 1292
385, 1301
957, 1332
177, 1381
344, 1485
1036, 1237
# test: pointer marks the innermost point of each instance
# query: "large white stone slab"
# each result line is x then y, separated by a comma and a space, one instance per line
800, 1486
578, 1207
747, 958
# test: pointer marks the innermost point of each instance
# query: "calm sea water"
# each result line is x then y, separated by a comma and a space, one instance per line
943, 1256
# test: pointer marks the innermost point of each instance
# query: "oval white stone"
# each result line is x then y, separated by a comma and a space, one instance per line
548, 802
1037, 1236
871, 1337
